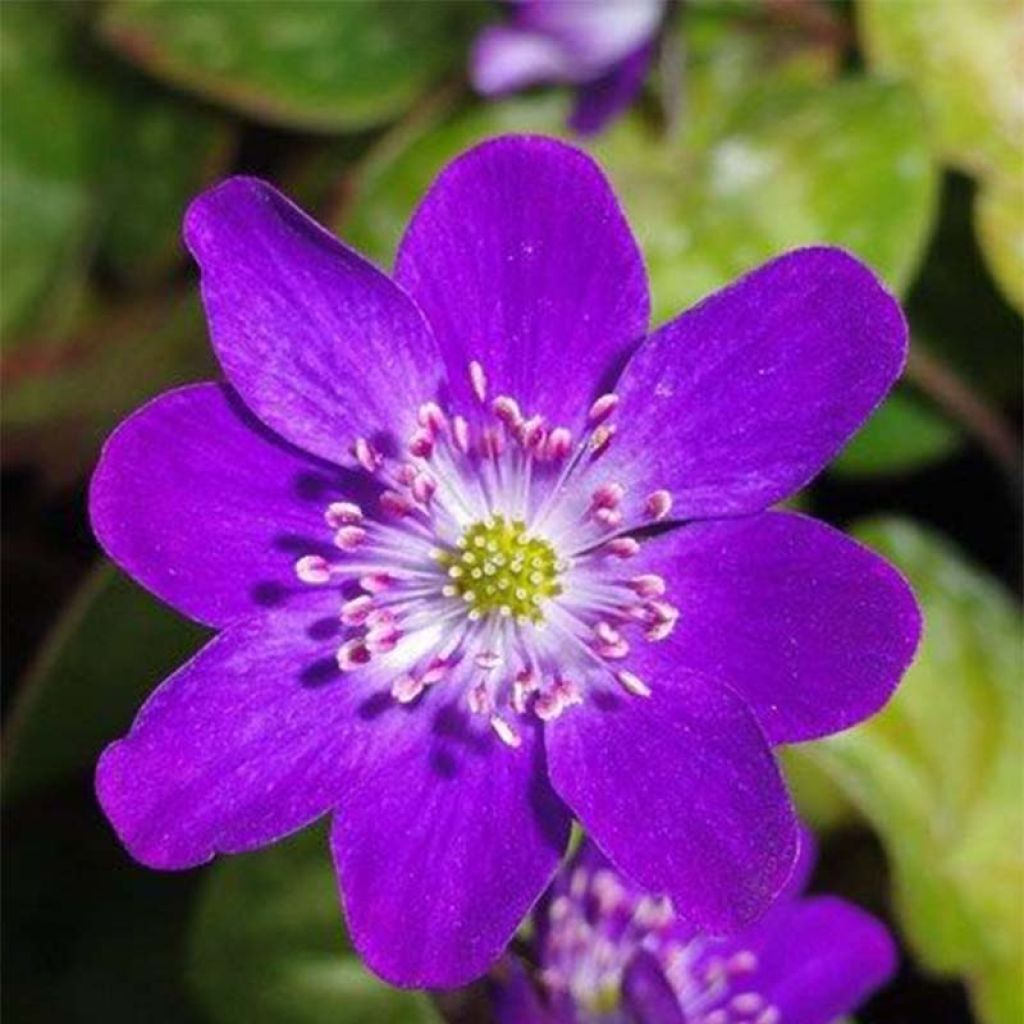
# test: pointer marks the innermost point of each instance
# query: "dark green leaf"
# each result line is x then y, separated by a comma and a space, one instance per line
320, 66
112, 646
903, 435
268, 946
64, 392
47, 202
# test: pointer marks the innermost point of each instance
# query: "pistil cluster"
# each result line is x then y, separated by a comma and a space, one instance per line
491, 564
599, 925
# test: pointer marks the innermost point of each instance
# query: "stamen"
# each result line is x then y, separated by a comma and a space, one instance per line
478, 381
608, 495
366, 455
355, 611
602, 408
647, 585
559, 444
432, 418
313, 569
348, 538
601, 438
406, 688
339, 513
659, 504
507, 410
421, 444
482, 570
622, 547
632, 683
352, 654
505, 732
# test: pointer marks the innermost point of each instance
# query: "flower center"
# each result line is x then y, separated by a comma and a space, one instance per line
498, 567
495, 562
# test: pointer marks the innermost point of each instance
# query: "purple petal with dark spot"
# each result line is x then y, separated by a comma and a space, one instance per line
204, 506
249, 741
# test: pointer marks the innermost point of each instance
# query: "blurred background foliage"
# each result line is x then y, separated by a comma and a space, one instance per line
891, 127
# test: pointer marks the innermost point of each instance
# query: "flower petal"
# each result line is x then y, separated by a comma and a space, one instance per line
505, 59
742, 400
682, 794
594, 35
818, 959
321, 345
208, 509
521, 259
247, 742
516, 1001
606, 97
647, 995
811, 629
442, 851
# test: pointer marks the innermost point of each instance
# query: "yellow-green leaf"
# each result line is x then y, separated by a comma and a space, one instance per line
938, 774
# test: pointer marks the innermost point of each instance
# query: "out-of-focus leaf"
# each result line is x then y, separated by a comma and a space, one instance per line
938, 774
90, 158
903, 435
112, 646
167, 151
51, 140
844, 164
954, 304
319, 66
71, 388
964, 58
268, 946
819, 801
1000, 221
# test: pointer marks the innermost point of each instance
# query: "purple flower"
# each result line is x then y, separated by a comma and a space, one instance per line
609, 953
483, 556
602, 46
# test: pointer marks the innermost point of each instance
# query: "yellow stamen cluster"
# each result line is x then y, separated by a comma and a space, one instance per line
499, 568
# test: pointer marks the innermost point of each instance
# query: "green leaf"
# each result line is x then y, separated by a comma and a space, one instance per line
92, 158
167, 152
111, 647
50, 158
324, 67
844, 164
903, 435
64, 392
999, 216
268, 946
938, 773
963, 58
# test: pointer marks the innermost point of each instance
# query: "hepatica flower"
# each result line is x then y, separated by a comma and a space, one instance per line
609, 953
483, 555
603, 47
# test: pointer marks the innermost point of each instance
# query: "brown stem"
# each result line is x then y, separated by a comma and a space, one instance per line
985, 424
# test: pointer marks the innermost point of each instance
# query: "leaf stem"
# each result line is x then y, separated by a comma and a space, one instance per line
984, 422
